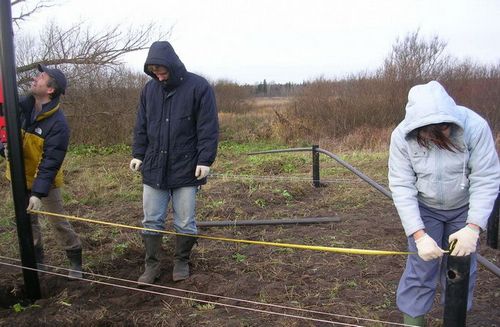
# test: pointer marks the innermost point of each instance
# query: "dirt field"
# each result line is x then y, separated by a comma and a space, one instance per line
336, 284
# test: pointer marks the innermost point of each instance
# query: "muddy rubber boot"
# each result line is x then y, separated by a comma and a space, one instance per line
75, 261
183, 246
417, 321
152, 243
39, 257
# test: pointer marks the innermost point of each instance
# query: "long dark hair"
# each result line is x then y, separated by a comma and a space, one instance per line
434, 133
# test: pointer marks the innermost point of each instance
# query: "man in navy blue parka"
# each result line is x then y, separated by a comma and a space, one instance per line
175, 143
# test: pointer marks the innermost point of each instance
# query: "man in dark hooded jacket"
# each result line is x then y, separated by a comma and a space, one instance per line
175, 143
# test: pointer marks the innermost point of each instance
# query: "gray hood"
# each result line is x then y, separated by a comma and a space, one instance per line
430, 104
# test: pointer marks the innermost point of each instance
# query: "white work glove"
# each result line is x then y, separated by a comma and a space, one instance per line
34, 204
428, 248
466, 241
201, 171
135, 164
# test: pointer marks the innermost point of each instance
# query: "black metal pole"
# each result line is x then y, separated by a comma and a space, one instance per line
16, 159
457, 291
315, 163
493, 232
357, 173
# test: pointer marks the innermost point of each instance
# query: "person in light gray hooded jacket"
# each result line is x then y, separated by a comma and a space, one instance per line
444, 175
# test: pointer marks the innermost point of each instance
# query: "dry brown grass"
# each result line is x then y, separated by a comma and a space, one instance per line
270, 103
271, 120
363, 138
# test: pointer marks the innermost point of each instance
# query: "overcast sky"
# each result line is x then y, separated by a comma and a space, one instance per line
247, 41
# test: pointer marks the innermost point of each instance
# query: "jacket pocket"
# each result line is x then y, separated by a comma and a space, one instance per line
182, 167
152, 167
187, 120
428, 191
185, 129
421, 162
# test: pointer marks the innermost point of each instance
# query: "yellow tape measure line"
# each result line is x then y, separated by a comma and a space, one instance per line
283, 245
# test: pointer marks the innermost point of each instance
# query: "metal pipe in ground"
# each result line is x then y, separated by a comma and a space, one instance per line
315, 163
488, 265
457, 291
296, 221
493, 230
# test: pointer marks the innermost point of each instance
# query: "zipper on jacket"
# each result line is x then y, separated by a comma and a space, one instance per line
168, 119
439, 173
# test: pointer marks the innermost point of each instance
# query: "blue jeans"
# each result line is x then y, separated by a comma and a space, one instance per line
420, 279
155, 205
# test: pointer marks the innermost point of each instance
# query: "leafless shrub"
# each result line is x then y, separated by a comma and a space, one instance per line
232, 97
365, 138
414, 59
476, 87
101, 110
337, 108
249, 127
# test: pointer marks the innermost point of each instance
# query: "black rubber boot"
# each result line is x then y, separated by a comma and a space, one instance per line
183, 246
152, 243
75, 260
39, 257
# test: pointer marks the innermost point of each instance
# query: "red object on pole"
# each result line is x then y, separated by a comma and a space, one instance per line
3, 126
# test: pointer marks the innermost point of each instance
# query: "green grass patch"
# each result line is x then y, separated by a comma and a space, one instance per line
91, 150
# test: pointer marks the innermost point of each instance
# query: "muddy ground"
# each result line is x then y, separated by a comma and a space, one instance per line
353, 285
359, 286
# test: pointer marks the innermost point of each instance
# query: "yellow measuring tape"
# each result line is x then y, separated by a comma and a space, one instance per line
283, 245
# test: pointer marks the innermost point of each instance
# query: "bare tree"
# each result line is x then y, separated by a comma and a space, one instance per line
415, 59
77, 48
28, 9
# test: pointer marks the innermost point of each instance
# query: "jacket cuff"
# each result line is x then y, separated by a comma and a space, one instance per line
38, 195
204, 164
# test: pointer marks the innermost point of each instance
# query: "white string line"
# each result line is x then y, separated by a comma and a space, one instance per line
222, 297
285, 178
184, 297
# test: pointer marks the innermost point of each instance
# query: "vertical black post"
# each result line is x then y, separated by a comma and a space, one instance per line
457, 291
493, 232
16, 159
315, 159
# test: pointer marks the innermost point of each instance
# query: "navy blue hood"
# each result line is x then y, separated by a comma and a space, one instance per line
162, 53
